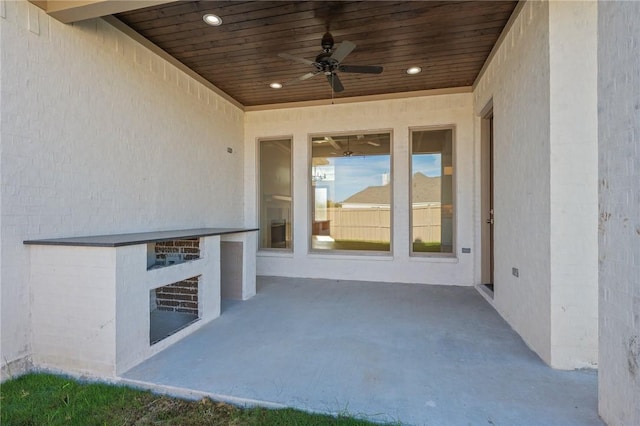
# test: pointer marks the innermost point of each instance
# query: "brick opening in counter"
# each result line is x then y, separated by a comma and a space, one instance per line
173, 307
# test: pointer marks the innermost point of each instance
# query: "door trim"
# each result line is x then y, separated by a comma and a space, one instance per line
487, 193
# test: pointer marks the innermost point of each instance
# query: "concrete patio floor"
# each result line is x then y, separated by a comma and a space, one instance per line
421, 355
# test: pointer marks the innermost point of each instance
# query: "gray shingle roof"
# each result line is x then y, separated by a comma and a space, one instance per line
425, 189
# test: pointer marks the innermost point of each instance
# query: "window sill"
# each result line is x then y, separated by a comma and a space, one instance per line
434, 259
274, 253
348, 256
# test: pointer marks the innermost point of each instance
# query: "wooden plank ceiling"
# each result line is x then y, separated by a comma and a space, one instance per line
449, 40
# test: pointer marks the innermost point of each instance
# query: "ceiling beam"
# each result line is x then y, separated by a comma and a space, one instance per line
68, 11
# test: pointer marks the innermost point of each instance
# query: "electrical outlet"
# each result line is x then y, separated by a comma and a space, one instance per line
515, 272
230, 150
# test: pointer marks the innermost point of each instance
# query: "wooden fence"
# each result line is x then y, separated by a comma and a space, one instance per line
374, 224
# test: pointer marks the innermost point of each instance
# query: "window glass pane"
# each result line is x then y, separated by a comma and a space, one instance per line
351, 192
432, 191
275, 194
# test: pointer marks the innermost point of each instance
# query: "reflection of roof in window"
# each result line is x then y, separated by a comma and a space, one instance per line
425, 190
371, 195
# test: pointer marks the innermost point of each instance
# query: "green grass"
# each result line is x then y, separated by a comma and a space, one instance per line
361, 245
420, 247
45, 399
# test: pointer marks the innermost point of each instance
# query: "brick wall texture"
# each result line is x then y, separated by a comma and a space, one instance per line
91, 123
619, 200
517, 81
179, 297
184, 250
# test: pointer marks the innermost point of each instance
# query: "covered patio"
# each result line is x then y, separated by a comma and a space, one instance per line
421, 355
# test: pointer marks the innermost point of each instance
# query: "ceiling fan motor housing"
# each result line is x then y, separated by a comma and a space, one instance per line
327, 42
325, 63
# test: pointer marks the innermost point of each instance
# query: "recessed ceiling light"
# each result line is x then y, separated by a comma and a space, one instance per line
213, 20
276, 85
413, 70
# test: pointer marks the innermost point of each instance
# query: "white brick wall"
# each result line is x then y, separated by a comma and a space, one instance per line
517, 80
73, 308
542, 82
398, 115
619, 236
99, 135
574, 184
90, 305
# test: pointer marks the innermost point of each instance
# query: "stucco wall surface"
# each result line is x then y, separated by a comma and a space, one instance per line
99, 135
517, 81
619, 230
398, 116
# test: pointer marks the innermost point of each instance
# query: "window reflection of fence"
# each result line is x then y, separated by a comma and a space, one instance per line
366, 224
374, 224
427, 224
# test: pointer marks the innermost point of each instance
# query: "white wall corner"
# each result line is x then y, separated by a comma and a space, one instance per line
619, 212
573, 184
517, 82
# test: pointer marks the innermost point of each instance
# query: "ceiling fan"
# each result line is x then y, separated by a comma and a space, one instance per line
337, 144
329, 62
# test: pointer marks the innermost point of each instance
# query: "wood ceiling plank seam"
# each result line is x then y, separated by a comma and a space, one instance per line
391, 22
400, 54
287, 28
176, 40
400, 62
306, 42
207, 48
290, 80
188, 28
229, 19
153, 14
450, 40
256, 74
398, 19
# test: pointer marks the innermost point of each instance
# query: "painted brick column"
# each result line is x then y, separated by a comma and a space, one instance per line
573, 184
619, 197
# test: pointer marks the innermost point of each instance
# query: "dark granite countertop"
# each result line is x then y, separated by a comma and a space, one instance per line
118, 240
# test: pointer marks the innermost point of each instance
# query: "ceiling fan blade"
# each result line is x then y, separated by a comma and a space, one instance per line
308, 75
335, 83
362, 69
343, 50
295, 58
332, 142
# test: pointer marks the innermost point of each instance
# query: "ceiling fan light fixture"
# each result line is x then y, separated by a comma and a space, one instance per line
414, 70
275, 85
213, 20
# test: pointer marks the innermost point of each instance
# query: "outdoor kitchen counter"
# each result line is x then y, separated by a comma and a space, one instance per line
118, 240
103, 304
